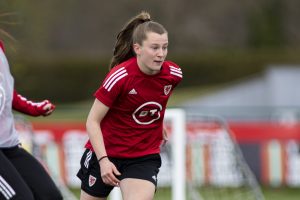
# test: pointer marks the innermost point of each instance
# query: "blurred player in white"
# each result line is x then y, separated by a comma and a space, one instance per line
22, 177
125, 123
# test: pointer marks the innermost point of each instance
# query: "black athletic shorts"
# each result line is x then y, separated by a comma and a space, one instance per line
145, 168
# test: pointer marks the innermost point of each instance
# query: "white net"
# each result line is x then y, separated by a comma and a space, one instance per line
216, 167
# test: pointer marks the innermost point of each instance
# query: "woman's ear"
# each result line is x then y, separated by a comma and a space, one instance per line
136, 49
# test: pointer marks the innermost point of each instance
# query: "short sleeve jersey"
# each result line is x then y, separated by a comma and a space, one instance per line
134, 123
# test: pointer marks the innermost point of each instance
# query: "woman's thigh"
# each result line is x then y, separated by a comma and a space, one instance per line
137, 189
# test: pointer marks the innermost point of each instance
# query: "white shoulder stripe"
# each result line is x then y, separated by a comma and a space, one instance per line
120, 77
176, 71
176, 74
112, 75
172, 67
113, 79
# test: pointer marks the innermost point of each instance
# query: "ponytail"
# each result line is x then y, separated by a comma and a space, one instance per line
123, 46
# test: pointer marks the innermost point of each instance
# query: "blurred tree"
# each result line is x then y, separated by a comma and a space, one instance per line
266, 29
87, 28
236, 37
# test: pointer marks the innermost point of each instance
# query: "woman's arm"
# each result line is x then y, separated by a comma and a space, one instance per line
108, 169
28, 107
97, 113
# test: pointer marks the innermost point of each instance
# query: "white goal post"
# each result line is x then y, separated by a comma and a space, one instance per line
177, 118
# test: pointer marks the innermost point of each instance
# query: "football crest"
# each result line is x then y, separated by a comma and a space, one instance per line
92, 180
167, 89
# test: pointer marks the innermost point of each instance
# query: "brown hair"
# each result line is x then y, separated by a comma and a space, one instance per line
133, 32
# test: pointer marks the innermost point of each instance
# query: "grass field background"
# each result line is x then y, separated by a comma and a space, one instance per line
281, 193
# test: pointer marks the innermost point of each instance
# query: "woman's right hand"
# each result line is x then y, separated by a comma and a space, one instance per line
108, 172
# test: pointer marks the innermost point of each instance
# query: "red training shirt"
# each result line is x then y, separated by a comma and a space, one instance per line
133, 125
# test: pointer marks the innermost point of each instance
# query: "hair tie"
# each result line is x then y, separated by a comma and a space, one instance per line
102, 158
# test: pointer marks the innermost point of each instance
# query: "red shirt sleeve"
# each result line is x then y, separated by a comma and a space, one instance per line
176, 72
111, 86
25, 106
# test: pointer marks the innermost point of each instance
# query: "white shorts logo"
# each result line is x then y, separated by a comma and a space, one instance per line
92, 180
147, 113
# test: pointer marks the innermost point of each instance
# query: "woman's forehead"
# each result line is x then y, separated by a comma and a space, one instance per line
153, 37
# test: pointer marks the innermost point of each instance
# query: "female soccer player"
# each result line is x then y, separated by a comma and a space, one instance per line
21, 175
125, 123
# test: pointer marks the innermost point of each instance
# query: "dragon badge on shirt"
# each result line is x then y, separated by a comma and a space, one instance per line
167, 89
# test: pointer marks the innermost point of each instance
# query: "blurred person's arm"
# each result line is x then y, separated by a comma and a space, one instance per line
165, 136
21, 104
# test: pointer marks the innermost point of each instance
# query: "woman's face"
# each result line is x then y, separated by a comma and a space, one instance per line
152, 53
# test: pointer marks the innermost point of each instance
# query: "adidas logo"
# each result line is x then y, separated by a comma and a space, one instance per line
133, 91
